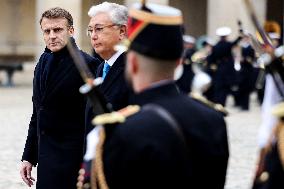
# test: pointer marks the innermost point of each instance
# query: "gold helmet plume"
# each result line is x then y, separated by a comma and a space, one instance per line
272, 27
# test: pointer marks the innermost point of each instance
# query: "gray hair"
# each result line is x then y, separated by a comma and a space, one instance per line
118, 13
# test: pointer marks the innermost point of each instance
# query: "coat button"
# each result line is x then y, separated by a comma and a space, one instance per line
42, 133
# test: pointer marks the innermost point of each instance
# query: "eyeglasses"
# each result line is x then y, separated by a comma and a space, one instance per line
98, 29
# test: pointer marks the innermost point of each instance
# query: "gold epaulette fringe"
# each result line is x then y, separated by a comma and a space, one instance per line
207, 102
115, 117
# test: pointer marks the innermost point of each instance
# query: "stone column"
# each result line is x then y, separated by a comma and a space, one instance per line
13, 36
72, 6
226, 13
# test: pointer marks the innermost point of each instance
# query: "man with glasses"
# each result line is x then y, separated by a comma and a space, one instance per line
107, 27
56, 131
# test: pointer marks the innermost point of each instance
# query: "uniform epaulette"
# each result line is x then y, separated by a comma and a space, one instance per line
202, 99
116, 116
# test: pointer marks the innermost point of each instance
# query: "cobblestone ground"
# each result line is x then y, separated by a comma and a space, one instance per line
15, 111
242, 131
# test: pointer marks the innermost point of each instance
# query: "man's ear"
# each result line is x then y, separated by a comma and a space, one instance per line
71, 31
132, 62
122, 32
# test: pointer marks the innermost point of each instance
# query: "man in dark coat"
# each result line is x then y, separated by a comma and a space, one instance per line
56, 131
106, 28
173, 141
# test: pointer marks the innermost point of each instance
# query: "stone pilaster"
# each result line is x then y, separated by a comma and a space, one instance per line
227, 13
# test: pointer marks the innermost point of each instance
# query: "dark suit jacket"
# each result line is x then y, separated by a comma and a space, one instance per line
114, 88
56, 130
145, 152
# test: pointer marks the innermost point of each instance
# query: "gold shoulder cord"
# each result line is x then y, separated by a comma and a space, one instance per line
97, 170
98, 179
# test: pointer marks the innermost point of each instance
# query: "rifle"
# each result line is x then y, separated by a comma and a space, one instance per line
100, 106
90, 88
270, 56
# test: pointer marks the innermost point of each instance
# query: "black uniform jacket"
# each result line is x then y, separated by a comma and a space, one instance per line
145, 152
222, 56
56, 130
114, 88
274, 167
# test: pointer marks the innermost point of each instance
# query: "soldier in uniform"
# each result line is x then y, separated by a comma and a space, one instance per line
245, 75
269, 171
221, 66
271, 175
170, 140
274, 168
185, 80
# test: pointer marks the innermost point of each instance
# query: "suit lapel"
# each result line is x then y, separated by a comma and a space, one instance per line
38, 90
39, 77
99, 72
115, 71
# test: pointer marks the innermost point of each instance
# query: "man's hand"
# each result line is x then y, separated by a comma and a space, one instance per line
25, 172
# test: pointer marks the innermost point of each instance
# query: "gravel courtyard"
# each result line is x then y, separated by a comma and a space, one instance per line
16, 108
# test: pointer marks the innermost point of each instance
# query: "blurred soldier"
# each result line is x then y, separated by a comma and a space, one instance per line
56, 131
106, 28
202, 80
173, 141
274, 90
246, 80
221, 66
185, 79
274, 93
273, 173
274, 32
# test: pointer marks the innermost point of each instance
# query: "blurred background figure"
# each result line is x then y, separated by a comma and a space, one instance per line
184, 73
274, 32
221, 67
201, 81
245, 75
269, 172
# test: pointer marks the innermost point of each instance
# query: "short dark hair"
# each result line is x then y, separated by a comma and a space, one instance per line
57, 12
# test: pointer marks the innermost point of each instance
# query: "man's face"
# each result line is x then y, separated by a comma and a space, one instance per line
104, 35
56, 33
